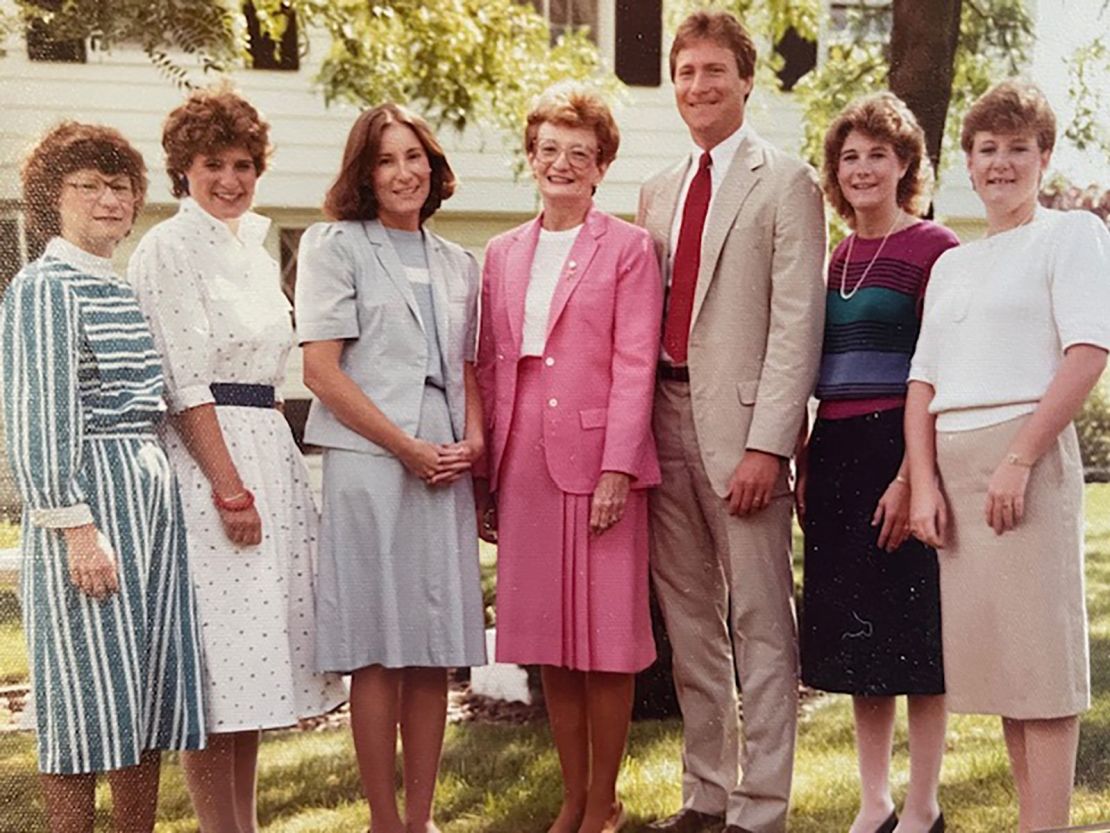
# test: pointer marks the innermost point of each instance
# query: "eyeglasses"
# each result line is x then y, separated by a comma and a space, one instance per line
93, 189
578, 157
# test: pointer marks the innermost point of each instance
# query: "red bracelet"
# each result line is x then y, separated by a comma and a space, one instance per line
235, 503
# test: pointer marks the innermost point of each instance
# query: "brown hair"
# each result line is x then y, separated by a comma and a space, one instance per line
723, 29
569, 104
211, 121
351, 196
68, 147
1011, 107
883, 117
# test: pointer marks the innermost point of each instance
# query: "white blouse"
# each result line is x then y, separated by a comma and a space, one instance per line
1001, 311
552, 250
214, 302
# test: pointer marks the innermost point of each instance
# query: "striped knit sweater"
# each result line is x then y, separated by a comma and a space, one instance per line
870, 338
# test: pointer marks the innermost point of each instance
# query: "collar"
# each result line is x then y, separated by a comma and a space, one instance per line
100, 267
722, 152
252, 227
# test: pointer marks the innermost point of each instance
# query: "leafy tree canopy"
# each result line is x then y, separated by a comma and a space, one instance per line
457, 61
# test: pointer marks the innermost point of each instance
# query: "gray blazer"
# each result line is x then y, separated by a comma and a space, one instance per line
351, 286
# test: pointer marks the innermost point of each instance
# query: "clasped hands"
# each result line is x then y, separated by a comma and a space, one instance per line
440, 464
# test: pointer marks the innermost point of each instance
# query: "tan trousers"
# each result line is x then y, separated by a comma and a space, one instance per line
726, 591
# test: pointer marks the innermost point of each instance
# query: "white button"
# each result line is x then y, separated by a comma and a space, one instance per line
501, 357
552, 402
572, 265
549, 361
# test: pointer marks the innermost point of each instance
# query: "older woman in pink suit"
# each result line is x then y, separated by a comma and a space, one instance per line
566, 360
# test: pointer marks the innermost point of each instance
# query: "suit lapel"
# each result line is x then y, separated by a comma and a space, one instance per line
741, 177
576, 265
391, 264
438, 270
667, 198
518, 270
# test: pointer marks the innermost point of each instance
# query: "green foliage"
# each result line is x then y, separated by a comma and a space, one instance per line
995, 40
1087, 74
206, 30
456, 61
1093, 427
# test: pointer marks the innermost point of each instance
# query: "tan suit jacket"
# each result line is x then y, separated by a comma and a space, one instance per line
758, 317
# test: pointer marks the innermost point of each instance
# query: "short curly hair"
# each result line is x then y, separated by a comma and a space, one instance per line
351, 196
68, 147
1010, 107
569, 104
885, 118
210, 121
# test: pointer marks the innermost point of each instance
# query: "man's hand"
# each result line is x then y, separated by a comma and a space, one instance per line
752, 484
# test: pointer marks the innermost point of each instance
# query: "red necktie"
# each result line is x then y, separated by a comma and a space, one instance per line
687, 258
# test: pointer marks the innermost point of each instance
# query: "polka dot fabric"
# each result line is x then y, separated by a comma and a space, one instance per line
217, 313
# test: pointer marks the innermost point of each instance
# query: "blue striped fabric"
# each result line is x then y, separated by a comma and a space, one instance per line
82, 395
870, 338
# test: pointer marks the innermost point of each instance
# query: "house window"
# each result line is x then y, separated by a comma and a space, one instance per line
564, 16
42, 45
639, 42
265, 52
799, 56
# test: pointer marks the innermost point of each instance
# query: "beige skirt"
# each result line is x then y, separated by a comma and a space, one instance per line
1012, 605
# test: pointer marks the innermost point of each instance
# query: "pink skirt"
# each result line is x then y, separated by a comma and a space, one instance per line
565, 596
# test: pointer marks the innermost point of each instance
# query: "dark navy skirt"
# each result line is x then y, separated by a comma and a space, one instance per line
870, 620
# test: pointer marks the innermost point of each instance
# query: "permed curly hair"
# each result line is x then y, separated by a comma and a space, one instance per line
1010, 107
885, 118
569, 104
68, 147
351, 196
210, 121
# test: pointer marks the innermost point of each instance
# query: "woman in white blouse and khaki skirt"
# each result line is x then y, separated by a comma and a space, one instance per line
1014, 336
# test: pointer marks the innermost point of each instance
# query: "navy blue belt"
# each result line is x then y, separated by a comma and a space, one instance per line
246, 396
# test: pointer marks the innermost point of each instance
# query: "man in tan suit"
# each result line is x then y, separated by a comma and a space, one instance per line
741, 233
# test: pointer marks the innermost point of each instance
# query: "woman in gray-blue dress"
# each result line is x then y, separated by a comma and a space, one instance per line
108, 609
387, 313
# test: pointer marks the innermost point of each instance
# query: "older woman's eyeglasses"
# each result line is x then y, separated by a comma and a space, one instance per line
93, 189
578, 157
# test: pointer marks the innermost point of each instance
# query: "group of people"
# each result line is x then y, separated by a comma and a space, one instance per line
616, 405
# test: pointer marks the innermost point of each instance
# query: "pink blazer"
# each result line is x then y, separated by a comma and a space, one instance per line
599, 359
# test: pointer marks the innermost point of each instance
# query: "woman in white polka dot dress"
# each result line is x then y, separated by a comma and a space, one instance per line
212, 296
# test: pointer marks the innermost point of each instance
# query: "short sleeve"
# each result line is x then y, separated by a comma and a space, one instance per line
169, 292
473, 286
1080, 281
326, 304
924, 362
39, 338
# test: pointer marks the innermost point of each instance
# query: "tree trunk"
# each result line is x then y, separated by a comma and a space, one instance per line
923, 41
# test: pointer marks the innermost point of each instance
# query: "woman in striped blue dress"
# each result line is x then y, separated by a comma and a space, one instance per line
108, 607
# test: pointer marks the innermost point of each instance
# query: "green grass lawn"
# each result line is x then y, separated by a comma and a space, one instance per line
504, 779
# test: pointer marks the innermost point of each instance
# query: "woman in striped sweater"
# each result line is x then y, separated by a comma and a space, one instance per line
108, 607
871, 611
